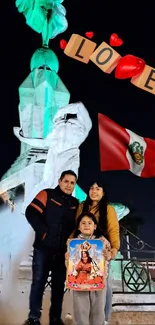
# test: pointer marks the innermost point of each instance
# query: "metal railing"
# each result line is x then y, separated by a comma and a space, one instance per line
135, 276
136, 269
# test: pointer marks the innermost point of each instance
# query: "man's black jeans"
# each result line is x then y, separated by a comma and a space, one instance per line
44, 262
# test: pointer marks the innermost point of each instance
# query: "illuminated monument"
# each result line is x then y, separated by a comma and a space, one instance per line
51, 130
46, 130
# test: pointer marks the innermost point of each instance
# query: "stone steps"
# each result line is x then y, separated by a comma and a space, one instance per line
14, 311
133, 318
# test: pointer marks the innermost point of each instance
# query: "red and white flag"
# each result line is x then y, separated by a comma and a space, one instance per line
122, 149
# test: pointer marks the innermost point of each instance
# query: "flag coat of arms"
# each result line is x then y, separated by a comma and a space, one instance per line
122, 149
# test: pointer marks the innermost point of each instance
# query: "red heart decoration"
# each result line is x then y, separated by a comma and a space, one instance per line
63, 44
115, 40
129, 66
89, 34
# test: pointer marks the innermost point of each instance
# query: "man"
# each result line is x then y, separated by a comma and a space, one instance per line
52, 216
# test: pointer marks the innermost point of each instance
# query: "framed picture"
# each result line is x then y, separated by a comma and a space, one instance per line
86, 265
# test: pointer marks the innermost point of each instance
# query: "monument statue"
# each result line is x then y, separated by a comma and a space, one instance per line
46, 17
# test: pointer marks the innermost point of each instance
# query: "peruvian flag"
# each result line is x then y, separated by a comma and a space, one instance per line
122, 149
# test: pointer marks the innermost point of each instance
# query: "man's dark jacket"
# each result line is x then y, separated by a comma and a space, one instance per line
52, 216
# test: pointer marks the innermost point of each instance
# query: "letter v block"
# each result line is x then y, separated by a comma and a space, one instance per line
80, 48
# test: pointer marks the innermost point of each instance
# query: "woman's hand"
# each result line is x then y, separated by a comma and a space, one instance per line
106, 243
107, 254
113, 252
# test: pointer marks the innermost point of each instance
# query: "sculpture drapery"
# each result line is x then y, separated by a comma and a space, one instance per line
46, 17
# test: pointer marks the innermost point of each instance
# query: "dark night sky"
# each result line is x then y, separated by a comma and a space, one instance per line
124, 103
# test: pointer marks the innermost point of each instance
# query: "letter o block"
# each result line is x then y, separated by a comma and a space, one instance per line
105, 57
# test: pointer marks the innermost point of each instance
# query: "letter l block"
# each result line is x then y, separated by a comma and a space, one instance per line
80, 48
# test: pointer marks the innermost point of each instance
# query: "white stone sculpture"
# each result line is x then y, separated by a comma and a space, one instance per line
71, 126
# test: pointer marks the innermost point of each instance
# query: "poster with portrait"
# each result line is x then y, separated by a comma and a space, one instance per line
86, 265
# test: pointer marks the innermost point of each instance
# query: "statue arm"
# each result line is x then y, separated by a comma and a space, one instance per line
37, 143
83, 118
24, 5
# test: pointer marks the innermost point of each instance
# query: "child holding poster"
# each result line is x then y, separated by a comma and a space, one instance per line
88, 306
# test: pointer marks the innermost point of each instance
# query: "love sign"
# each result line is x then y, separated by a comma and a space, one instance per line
107, 59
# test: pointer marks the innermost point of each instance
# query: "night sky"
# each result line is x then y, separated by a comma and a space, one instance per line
124, 103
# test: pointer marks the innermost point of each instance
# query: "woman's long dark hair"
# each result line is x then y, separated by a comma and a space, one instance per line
101, 208
98, 232
89, 259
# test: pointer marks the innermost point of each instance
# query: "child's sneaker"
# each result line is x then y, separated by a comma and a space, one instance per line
68, 319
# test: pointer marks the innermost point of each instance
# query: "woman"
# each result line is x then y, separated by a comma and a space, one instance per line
83, 268
97, 203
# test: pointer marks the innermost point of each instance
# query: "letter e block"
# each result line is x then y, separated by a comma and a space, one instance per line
146, 80
105, 57
80, 48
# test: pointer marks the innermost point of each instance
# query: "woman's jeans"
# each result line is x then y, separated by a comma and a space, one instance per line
108, 303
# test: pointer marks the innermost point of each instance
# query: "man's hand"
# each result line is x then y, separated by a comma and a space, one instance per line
113, 253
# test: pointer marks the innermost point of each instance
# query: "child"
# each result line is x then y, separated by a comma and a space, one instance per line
88, 306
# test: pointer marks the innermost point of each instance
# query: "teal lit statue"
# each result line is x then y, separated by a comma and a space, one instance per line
42, 94
46, 17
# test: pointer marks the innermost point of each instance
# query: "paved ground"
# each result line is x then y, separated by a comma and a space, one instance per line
14, 311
